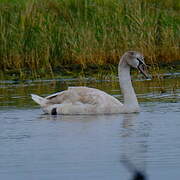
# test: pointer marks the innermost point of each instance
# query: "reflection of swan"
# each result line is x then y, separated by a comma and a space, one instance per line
134, 152
84, 100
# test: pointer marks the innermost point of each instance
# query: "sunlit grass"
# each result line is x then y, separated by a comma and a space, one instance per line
38, 38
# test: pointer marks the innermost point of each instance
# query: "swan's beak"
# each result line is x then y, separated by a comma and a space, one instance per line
143, 69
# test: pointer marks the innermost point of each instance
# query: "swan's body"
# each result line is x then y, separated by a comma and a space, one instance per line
85, 100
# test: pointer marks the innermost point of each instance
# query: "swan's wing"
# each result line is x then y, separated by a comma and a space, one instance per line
59, 98
84, 95
55, 95
73, 95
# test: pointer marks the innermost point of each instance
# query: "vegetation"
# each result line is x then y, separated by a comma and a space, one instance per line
39, 38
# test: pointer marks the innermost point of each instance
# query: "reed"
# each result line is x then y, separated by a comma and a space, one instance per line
38, 37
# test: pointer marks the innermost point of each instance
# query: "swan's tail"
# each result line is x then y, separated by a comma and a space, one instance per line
39, 100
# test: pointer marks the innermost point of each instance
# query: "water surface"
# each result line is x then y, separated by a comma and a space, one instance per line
43, 147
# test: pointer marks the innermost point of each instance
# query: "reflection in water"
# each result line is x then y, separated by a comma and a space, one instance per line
72, 118
133, 134
42, 147
134, 145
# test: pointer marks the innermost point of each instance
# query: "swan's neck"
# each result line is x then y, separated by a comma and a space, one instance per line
130, 99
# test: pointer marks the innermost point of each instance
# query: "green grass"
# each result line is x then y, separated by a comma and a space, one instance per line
39, 38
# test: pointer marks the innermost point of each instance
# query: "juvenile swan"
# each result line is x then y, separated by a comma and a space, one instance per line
85, 100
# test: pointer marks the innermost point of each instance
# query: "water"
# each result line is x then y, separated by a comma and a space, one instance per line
34, 146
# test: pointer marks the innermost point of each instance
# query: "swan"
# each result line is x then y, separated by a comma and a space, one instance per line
86, 100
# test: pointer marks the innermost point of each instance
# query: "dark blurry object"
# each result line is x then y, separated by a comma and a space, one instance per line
137, 174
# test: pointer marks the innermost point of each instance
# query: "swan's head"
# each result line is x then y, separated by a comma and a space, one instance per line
136, 60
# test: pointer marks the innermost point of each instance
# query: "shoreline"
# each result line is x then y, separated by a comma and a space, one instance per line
101, 72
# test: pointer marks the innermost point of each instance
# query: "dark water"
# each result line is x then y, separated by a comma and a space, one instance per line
34, 146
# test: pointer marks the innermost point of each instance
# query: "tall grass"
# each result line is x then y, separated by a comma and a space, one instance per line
38, 37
